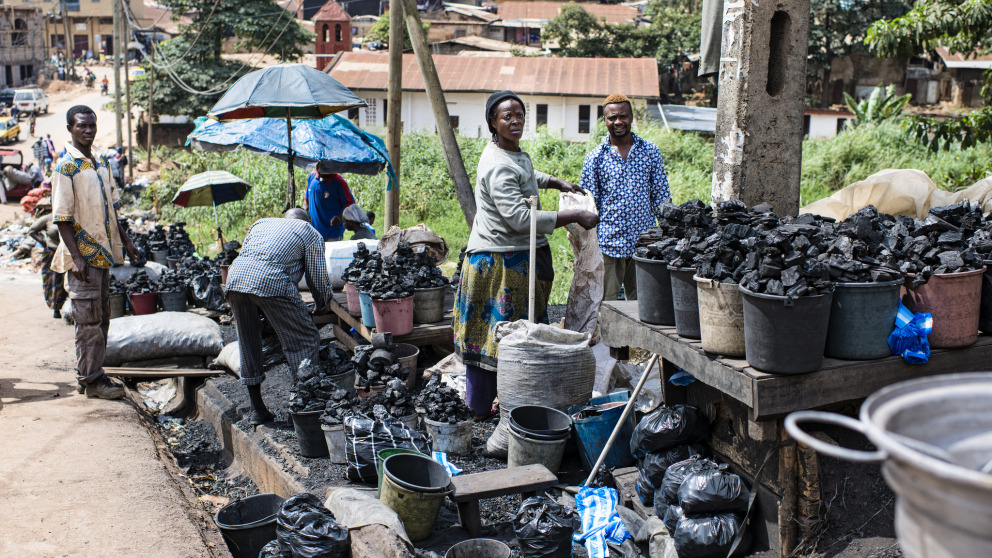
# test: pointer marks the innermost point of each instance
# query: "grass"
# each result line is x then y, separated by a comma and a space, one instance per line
427, 193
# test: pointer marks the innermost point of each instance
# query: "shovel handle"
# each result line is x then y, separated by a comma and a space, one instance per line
792, 426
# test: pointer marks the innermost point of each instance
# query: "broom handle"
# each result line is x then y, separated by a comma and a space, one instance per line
532, 275
623, 418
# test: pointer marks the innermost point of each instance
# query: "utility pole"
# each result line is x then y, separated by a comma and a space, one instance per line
117, 72
394, 127
452, 155
151, 94
126, 40
69, 43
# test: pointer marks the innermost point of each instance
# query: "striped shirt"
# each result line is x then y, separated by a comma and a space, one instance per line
276, 254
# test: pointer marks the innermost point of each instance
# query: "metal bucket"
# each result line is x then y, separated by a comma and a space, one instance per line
935, 438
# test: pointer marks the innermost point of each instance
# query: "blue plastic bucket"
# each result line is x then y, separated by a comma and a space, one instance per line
368, 319
593, 425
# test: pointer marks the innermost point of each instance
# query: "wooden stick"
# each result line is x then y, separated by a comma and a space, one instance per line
623, 418
532, 275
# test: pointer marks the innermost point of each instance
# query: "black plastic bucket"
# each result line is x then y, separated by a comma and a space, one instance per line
785, 336
309, 434
685, 300
248, 525
985, 312
654, 292
540, 423
862, 315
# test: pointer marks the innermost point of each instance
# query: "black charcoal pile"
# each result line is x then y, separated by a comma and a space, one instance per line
394, 398
441, 403
140, 241
171, 282
117, 287
786, 259
374, 367
368, 272
397, 275
679, 235
426, 274
353, 273
860, 249
940, 243
339, 405
457, 277
158, 239
314, 384
140, 283
178, 239
230, 252
721, 255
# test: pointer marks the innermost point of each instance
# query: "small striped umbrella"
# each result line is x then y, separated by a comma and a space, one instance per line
211, 188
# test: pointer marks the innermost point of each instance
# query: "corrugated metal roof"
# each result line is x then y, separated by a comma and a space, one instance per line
957, 60
485, 43
586, 77
515, 10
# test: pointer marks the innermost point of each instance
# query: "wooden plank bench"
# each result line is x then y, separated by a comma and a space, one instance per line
467, 490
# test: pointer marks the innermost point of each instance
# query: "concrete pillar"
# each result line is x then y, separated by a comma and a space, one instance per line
759, 125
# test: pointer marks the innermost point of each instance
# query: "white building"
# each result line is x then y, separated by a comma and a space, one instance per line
825, 123
563, 94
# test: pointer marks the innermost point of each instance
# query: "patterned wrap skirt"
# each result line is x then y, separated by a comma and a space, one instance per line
493, 289
54, 283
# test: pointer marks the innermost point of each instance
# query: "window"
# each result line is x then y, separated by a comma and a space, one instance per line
326, 33
541, 118
599, 112
806, 123
454, 122
584, 119
337, 33
370, 116
72, 5
17, 37
840, 124
58, 41
459, 33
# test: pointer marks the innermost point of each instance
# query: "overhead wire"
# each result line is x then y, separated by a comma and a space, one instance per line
131, 22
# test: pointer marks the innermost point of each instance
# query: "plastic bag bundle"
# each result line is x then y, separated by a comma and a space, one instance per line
207, 292
271, 550
653, 465
709, 536
678, 472
600, 521
909, 338
667, 427
366, 437
306, 529
673, 513
713, 491
544, 528
645, 490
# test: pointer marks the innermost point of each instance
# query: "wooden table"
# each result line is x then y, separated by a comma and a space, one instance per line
438, 334
747, 407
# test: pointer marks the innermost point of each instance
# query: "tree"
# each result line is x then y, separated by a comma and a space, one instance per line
963, 27
379, 32
883, 104
837, 28
678, 24
191, 74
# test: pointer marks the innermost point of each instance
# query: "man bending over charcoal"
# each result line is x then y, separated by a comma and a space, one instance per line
276, 254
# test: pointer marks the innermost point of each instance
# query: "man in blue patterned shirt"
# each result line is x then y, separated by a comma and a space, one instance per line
626, 177
277, 253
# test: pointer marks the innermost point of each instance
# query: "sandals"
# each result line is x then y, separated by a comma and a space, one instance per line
492, 412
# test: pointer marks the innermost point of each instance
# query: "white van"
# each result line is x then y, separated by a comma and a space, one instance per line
31, 100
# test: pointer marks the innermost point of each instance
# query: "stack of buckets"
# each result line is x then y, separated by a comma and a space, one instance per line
397, 316
780, 335
537, 435
414, 486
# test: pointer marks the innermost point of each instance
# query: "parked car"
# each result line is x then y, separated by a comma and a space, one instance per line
134, 74
31, 100
7, 97
9, 129
13, 158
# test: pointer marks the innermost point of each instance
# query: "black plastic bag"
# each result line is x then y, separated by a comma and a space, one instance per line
709, 536
207, 292
366, 437
713, 491
644, 489
271, 550
653, 465
306, 529
544, 528
673, 513
677, 473
668, 427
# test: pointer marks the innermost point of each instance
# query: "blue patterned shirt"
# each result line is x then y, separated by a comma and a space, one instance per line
627, 193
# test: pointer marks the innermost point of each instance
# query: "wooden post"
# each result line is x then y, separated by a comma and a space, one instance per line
452, 155
291, 186
126, 40
789, 482
151, 93
117, 72
394, 128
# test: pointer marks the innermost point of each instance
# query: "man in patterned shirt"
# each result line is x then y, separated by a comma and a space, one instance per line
626, 177
84, 205
276, 254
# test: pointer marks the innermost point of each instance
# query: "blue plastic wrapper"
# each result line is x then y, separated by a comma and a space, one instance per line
600, 521
681, 378
442, 458
909, 338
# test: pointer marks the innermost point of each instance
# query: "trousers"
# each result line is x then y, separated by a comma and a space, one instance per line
91, 313
616, 272
288, 316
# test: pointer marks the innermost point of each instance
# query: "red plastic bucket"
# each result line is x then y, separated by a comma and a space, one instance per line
394, 315
143, 303
954, 301
354, 303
